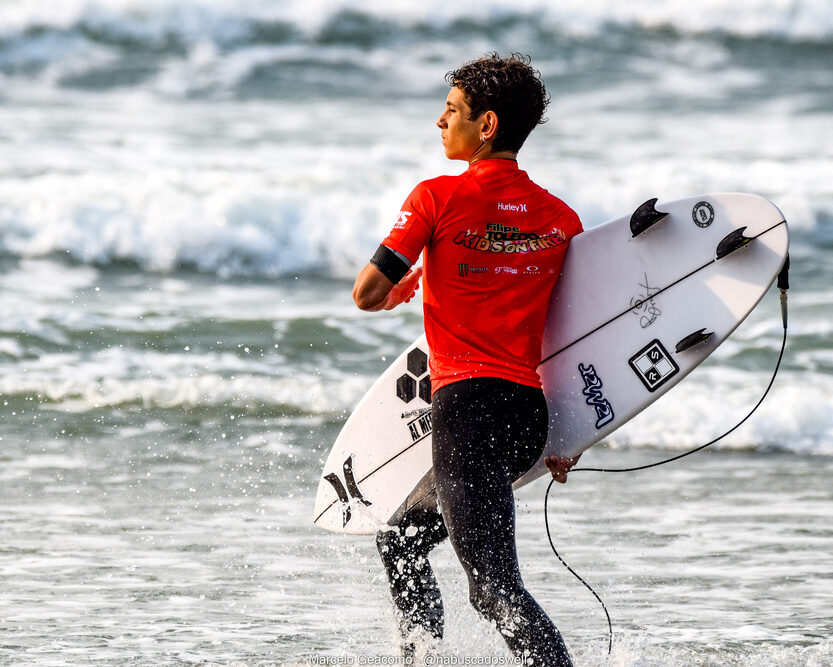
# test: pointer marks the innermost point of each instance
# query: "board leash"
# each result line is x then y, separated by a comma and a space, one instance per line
783, 286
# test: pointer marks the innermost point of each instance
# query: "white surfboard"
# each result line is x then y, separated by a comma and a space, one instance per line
641, 301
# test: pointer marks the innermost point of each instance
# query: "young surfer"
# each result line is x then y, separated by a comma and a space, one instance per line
493, 244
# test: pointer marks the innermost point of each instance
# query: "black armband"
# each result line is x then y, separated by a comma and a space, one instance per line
390, 263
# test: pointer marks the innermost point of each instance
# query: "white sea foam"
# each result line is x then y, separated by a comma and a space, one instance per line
228, 21
221, 223
204, 44
281, 209
141, 171
308, 394
795, 417
137, 132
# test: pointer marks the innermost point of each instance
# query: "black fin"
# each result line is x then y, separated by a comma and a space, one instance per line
693, 339
731, 242
645, 217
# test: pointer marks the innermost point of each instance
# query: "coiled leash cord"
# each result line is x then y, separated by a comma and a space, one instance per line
783, 285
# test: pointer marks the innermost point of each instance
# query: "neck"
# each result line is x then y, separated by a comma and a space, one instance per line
484, 152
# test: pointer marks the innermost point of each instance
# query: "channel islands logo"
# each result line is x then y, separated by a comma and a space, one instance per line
416, 381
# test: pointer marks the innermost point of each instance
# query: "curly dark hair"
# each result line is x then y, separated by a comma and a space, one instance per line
510, 88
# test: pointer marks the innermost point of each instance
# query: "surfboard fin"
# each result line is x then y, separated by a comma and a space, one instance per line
645, 217
693, 339
731, 242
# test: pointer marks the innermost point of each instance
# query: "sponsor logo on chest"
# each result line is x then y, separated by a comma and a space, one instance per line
511, 208
464, 269
504, 239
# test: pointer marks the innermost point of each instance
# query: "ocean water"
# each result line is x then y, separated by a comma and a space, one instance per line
188, 189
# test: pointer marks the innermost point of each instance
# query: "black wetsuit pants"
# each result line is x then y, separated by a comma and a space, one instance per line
487, 432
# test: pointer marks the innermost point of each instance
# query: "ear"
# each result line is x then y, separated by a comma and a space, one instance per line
488, 127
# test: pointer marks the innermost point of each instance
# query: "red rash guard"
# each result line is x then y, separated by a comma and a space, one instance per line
494, 243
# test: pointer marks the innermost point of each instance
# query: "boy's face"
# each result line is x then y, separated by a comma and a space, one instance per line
461, 137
